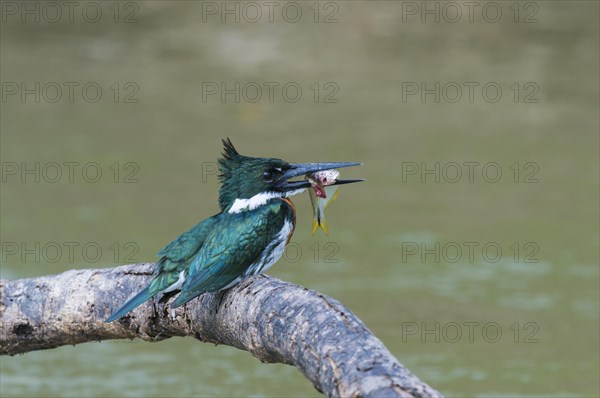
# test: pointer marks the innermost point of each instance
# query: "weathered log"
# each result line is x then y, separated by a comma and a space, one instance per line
274, 320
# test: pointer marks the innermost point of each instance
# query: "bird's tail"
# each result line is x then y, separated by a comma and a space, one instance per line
134, 302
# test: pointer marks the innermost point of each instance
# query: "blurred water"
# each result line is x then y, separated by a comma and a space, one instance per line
520, 322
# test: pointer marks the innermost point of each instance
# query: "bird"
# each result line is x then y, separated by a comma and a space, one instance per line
256, 221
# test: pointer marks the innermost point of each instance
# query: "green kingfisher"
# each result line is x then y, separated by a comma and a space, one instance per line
248, 236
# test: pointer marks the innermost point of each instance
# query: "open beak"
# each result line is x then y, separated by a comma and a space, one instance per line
303, 169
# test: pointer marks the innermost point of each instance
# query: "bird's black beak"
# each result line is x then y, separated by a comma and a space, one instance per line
304, 169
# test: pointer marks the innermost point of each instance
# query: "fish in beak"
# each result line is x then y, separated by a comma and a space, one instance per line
323, 191
285, 182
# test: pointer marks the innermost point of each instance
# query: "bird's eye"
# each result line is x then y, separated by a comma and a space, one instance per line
268, 176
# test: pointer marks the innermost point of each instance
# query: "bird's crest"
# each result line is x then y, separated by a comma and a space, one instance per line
229, 151
230, 162
229, 165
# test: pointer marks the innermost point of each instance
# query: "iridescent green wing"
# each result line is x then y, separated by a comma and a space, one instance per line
232, 248
185, 246
177, 255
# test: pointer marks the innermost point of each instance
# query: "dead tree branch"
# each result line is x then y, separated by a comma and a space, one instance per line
274, 320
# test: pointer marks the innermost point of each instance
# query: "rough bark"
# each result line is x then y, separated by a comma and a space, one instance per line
274, 320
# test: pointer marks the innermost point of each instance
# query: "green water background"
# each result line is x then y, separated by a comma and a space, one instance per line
523, 322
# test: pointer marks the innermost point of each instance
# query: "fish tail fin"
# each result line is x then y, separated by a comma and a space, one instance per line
319, 221
315, 225
323, 225
134, 302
